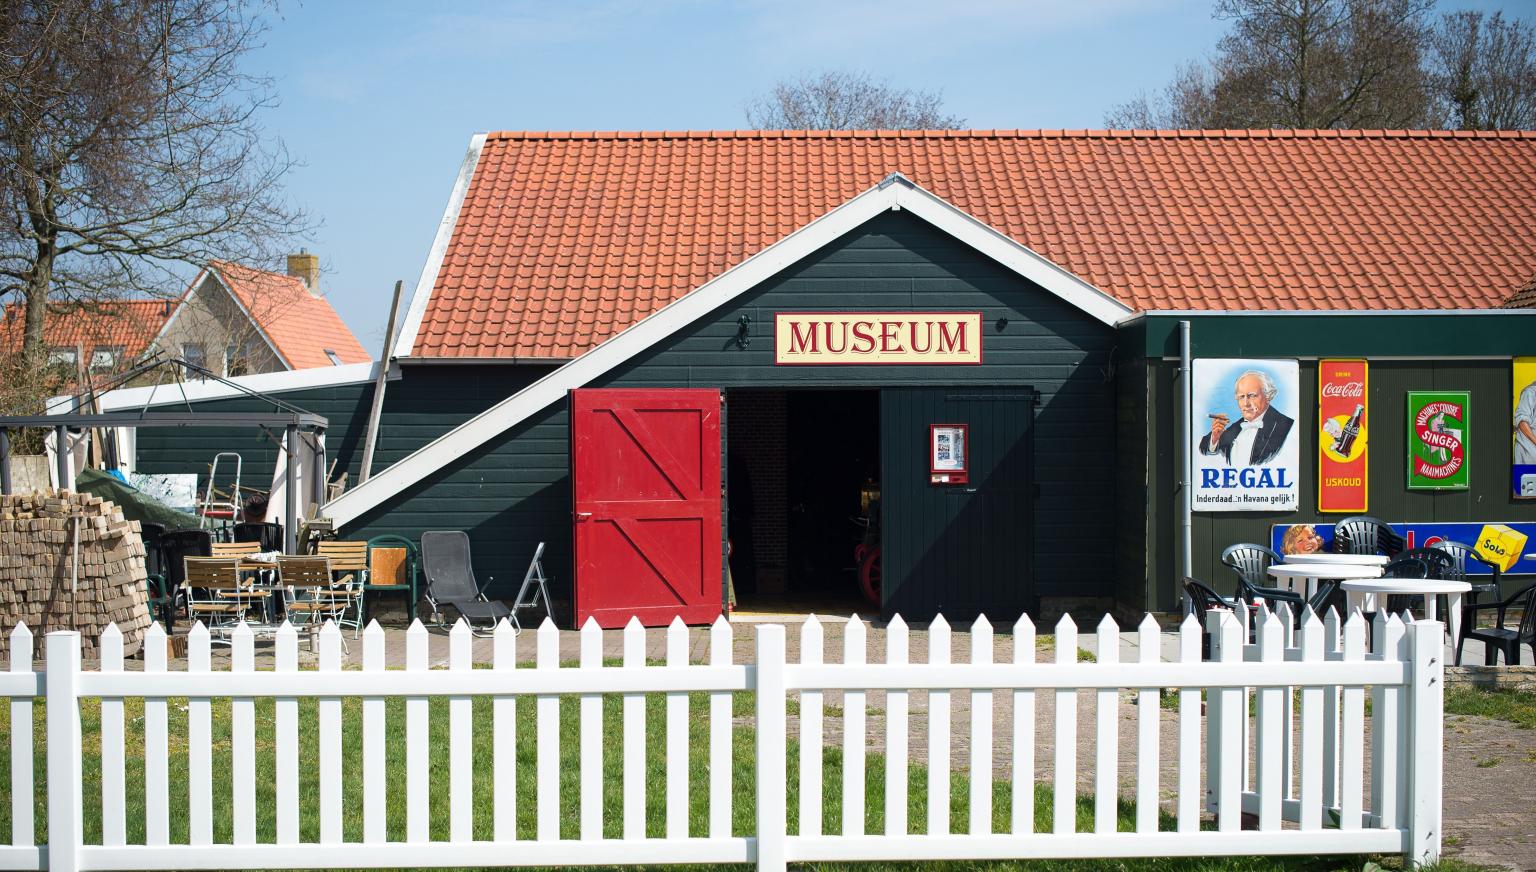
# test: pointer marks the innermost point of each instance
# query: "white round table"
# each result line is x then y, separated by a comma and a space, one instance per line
1349, 559
1311, 573
1365, 591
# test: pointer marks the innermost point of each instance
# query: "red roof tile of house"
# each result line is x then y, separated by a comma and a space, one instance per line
126, 324
567, 238
299, 324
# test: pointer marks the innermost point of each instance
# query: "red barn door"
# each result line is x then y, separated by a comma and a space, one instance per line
645, 469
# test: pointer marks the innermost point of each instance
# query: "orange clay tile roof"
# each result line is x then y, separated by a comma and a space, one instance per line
127, 324
1525, 298
566, 238
301, 325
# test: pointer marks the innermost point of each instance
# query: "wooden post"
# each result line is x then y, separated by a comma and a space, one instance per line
5, 460
371, 435
61, 457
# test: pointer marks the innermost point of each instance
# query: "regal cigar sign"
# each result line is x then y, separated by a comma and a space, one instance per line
887, 338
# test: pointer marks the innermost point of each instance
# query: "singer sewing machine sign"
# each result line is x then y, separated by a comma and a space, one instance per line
1342, 392
1437, 440
1245, 457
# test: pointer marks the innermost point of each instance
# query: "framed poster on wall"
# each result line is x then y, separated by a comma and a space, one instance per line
1438, 432
947, 447
1522, 472
1245, 457
1342, 439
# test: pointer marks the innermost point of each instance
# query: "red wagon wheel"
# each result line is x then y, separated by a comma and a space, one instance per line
869, 575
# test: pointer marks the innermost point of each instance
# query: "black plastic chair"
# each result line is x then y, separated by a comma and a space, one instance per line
1201, 600
1251, 562
162, 597
1363, 534
175, 547
1498, 638
1405, 566
1272, 597
269, 535
451, 579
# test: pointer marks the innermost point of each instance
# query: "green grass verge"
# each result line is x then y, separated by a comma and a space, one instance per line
743, 786
1515, 706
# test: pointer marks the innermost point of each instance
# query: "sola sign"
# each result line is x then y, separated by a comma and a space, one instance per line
886, 338
1342, 437
1437, 440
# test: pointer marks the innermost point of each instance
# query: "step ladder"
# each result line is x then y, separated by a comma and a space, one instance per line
215, 509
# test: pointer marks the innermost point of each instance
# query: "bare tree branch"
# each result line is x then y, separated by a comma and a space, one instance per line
843, 100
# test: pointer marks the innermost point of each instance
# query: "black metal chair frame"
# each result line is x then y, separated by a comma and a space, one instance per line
445, 558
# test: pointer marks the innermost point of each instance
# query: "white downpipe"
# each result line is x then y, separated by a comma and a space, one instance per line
1186, 483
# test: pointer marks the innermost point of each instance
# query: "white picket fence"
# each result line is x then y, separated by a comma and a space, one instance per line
1310, 772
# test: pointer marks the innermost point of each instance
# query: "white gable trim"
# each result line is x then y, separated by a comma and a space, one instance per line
194, 391
896, 192
423, 293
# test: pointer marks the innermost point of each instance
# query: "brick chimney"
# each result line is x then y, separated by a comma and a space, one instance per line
306, 268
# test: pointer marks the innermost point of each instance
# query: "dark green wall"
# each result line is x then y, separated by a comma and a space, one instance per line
427, 403
515, 490
1488, 499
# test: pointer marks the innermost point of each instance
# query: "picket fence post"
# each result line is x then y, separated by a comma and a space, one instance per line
65, 800
772, 801
1426, 701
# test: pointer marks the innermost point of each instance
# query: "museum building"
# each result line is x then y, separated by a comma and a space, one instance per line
701, 364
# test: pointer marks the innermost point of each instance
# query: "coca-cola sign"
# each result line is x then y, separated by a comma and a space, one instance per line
1343, 472
1348, 390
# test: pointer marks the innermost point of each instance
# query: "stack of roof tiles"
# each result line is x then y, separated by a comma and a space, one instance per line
564, 239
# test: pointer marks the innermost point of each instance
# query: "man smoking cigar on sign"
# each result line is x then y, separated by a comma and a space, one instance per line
1257, 438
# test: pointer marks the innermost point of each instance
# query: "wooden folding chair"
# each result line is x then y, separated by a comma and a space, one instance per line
215, 594
350, 558
309, 597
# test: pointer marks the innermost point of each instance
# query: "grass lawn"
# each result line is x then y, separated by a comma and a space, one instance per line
1515, 706
743, 786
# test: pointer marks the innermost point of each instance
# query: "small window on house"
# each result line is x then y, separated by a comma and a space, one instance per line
195, 354
106, 356
335, 358
61, 357
236, 362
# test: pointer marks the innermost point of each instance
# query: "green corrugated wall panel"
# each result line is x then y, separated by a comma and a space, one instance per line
1488, 500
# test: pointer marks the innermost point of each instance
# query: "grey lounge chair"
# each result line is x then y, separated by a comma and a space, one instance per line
451, 580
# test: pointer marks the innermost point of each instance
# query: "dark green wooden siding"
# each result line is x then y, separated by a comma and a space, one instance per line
417, 409
962, 550
515, 490
1488, 499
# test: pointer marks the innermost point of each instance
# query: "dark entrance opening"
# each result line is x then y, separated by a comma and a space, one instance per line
802, 467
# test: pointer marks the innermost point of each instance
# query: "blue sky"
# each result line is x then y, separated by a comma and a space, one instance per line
379, 99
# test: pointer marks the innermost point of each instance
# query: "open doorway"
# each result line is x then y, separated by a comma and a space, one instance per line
803, 469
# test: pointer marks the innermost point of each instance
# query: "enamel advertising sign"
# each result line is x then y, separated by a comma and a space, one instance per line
1246, 457
1523, 470
1342, 388
1437, 440
886, 338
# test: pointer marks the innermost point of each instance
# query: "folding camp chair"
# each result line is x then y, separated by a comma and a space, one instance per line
215, 594
350, 558
533, 588
310, 595
451, 580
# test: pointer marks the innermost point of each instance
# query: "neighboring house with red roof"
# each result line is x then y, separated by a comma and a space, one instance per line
231, 319
108, 335
617, 322
236, 320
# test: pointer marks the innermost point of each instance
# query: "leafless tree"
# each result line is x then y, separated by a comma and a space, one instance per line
1186, 103
129, 145
1483, 71
844, 100
1305, 64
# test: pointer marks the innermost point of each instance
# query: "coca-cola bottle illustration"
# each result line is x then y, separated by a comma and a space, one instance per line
1346, 440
